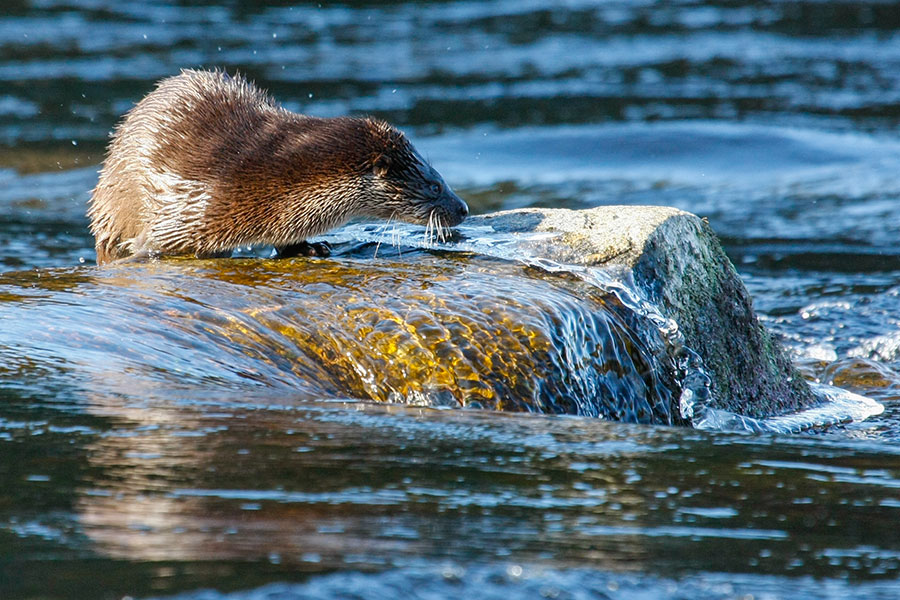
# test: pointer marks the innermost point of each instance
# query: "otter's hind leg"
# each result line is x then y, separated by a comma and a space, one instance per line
322, 249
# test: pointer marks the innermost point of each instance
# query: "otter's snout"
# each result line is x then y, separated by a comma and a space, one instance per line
454, 208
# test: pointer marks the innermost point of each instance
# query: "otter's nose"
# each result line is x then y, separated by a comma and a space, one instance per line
455, 207
462, 209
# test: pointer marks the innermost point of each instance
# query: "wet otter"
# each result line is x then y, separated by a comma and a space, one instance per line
207, 163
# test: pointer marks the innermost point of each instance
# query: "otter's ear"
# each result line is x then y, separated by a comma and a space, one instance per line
381, 166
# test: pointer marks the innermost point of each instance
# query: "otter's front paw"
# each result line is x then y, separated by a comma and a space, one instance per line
322, 249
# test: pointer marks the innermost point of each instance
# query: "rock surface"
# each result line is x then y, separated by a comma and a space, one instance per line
679, 265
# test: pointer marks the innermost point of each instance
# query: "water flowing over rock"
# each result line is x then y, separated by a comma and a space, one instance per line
626, 314
676, 261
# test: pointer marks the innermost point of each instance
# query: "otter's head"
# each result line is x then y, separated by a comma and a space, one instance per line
403, 186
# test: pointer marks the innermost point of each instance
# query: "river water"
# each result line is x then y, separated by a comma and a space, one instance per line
778, 121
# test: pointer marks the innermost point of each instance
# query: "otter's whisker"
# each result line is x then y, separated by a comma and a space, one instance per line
395, 239
442, 230
378, 244
436, 227
382, 233
433, 228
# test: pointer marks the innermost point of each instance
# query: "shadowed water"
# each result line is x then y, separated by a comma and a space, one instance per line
228, 491
133, 463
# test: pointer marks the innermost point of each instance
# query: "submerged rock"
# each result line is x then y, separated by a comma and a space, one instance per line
677, 263
413, 327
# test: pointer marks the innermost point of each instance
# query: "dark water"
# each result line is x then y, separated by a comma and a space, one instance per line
779, 121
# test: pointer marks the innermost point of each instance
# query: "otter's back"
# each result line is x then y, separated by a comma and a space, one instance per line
168, 150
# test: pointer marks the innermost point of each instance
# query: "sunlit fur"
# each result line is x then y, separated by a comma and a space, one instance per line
207, 163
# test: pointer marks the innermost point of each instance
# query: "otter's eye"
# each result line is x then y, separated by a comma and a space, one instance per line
436, 188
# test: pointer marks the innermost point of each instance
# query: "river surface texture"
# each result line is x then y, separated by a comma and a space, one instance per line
154, 444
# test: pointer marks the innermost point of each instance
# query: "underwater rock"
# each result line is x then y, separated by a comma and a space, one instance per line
678, 264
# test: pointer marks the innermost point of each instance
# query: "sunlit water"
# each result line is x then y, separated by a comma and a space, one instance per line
778, 122
413, 328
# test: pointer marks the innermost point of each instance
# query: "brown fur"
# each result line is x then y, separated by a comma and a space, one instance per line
206, 163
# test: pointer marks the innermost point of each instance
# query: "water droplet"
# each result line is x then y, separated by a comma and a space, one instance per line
274, 35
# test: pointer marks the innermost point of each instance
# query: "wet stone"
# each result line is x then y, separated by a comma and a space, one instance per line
676, 262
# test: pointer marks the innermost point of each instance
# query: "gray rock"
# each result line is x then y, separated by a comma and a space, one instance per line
679, 265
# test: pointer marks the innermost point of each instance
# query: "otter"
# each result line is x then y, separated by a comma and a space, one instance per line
208, 162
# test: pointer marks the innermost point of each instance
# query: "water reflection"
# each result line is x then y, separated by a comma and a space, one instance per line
316, 487
196, 482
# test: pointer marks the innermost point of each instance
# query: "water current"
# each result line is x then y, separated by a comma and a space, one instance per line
130, 468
